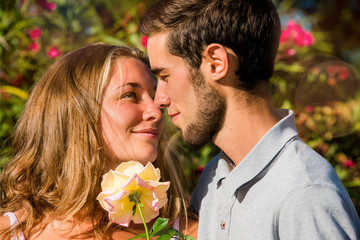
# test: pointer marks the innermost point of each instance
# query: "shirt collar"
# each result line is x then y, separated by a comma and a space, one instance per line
260, 156
224, 166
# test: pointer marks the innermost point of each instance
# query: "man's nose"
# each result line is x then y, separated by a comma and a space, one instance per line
161, 99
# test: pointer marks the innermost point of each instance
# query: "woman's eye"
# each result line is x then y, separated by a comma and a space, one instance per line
129, 95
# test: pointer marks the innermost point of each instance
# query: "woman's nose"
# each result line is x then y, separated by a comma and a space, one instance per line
152, 112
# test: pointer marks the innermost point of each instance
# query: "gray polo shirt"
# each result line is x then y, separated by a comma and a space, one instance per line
282, 189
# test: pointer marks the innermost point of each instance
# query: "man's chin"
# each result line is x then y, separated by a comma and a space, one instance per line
196, 140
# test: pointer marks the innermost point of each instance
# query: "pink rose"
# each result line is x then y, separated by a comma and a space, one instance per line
53, 52
34, 47
131, 182
35, 33
47, 5
144, 41
291, 52
297, 34
349, 163
309, 109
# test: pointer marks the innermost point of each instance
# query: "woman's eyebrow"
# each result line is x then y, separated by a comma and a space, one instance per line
132, 84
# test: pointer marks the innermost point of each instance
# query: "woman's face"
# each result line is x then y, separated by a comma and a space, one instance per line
130, 122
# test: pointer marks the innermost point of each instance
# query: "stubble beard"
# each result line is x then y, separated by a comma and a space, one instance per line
210, 114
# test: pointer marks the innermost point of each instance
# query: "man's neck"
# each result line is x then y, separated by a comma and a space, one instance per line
246, 121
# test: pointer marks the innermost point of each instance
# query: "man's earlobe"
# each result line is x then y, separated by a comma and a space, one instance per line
216, 61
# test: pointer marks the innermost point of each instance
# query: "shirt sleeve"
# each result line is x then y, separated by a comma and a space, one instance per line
317, 212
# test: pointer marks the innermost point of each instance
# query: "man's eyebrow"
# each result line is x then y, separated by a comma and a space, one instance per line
156, 70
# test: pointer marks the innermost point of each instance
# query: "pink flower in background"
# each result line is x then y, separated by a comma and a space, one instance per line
297, 34
53, 52
35, 33
291, 52
349, 163
144, 41
34, 47
48, 6
344, 74
309, 109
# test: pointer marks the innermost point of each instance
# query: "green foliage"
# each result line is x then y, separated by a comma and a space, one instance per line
314, 80
323, 89
161, 228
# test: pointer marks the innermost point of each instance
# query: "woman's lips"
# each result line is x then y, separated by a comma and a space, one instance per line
148, 132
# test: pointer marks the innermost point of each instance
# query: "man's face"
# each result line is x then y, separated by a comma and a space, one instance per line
198, 110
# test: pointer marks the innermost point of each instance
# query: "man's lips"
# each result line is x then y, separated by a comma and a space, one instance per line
174, 116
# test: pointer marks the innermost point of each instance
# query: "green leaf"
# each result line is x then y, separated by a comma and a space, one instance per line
15, 91
354, 183
175, 232
165, 237
160, 223
187, 237
143, 235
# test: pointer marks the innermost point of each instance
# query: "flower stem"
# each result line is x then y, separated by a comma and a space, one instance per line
143, 219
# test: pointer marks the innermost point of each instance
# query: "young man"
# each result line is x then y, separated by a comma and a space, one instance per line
214, 59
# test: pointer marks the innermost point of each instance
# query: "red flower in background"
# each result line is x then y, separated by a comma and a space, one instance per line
35, 33
144, 41
48, 6
53, 52
297, 34
34, 47
291, 52
18, 81
309, 109
349, 163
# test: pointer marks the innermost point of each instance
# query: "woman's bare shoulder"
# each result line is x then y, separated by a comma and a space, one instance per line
191, 228
4, 222
122, 235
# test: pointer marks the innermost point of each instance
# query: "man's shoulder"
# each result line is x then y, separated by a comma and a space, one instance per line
203, 186
211, 165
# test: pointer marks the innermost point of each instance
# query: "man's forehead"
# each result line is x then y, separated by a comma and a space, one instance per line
157, 51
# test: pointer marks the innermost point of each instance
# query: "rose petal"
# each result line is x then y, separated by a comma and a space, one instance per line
111, 200
141, 182
148, 214
150, 173
113, 180
129, 168
130, 184
100, 198
148, 198
160, 188
124, 214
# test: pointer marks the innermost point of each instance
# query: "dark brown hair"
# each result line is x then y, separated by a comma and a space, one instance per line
251, 28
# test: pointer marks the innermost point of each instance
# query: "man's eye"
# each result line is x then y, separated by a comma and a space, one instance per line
163, 78
129, 95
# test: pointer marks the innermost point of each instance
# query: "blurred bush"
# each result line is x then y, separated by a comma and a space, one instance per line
316, 71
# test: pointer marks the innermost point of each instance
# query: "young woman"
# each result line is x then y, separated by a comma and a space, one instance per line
92, 110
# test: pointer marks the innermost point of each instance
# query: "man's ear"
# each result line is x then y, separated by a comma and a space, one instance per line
215, 64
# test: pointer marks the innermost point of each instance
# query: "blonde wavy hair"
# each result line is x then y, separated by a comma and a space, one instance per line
58, 158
